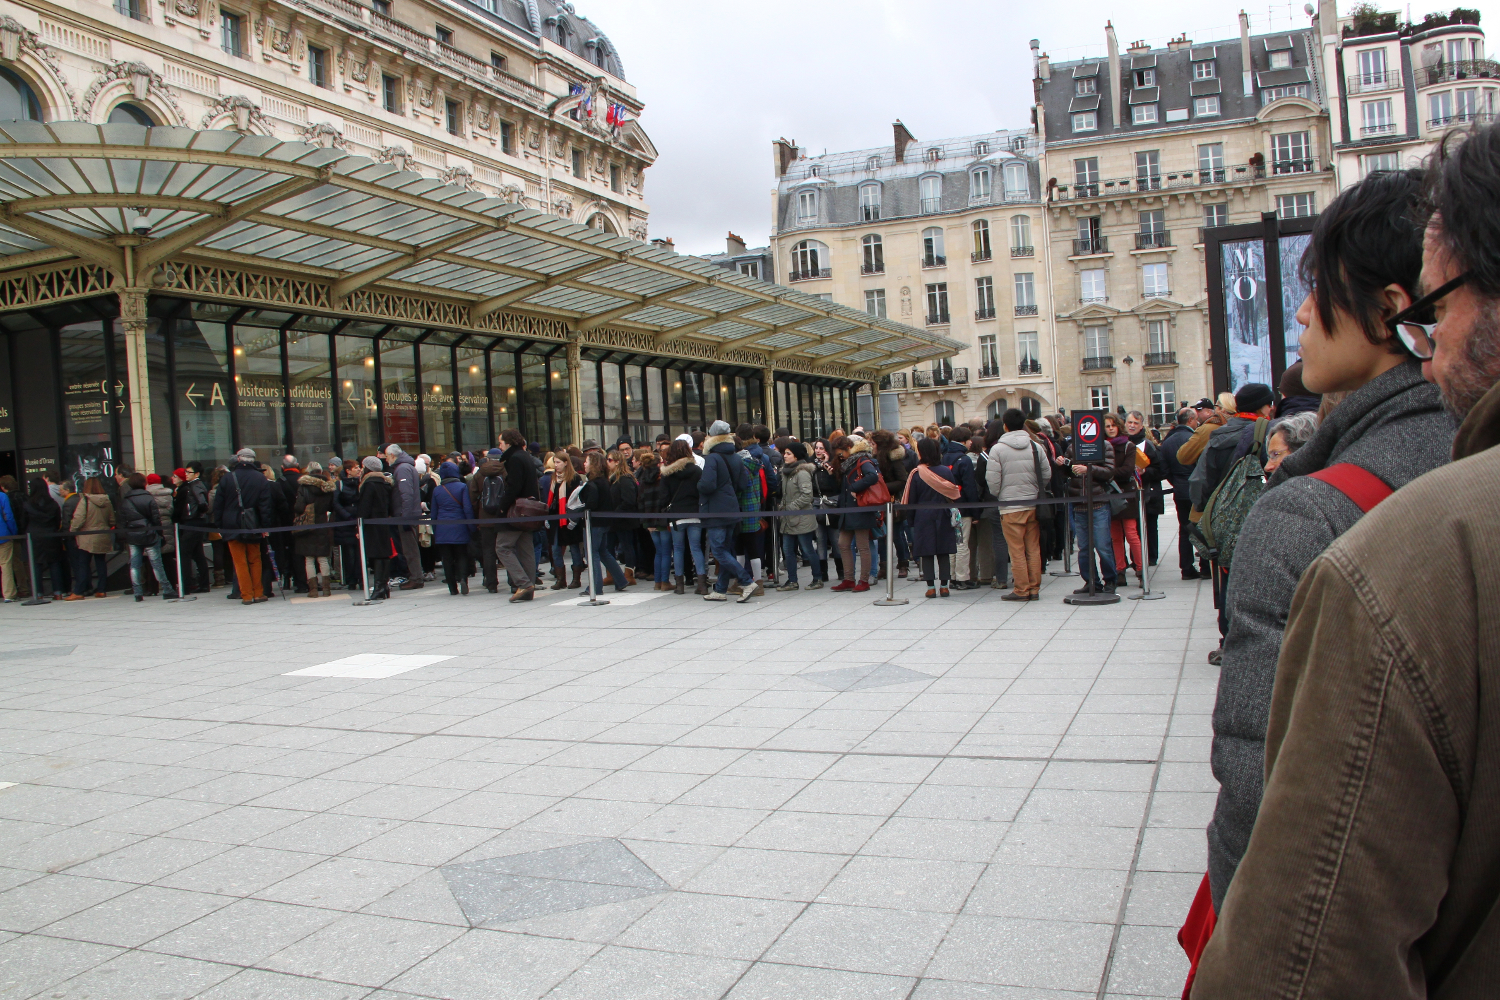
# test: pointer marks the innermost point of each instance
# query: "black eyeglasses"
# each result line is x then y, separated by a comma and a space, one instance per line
1413, 325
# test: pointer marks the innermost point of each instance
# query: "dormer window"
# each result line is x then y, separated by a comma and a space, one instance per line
815, 171
872, 164
1084, 86
1204, 71
1281, 59
934, 154
981, 148
1145, 78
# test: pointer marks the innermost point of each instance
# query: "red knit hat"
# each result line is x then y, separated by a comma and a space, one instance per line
152, 479
180, 474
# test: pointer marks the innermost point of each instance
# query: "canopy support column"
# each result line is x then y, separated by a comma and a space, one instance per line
768, 396
575, 392
137, 381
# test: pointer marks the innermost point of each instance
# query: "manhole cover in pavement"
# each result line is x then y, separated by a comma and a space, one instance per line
871, 675
539, 883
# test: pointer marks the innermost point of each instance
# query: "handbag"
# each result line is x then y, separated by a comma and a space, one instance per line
248, 518
1117, 504
575, 499
525, 507
877, 495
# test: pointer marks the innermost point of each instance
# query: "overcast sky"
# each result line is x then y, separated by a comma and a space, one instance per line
721, 80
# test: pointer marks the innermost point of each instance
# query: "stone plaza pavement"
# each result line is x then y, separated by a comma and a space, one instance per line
802, 798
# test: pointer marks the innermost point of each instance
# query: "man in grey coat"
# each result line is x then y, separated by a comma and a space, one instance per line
408, 504
1015, 471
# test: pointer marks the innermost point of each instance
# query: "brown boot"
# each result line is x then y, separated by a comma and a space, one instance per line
326, 582
629, 577
678, 588
702, 587
577, 579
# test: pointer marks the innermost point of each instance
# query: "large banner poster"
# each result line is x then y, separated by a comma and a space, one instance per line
1246, 316
1293, 291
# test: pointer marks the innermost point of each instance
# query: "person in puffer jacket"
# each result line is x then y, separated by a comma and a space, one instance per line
797, 533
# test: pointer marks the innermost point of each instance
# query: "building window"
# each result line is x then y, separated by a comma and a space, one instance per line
390, 93
1086, 121
578, 163
1205, 70
937, 303
875, 302
444, 35
1294, 206
872, 163
1375, 162
1156, 337
231, 39
981, 148
1020, 235
1281, 59
615, 183
1277, 93
750, 268
1028, 353
1099, 397
317, 66
1441, 106
1086, 176
933, 252
1025, 286
979, 184
825, 296
872, 248
1372, 71
129, 114
1086, 85
1145, 78
931, 188
382, 7
453, 113
1206, 107
1152, 221
1163, 403
497, 61
943, 412
1291, 153
807, 207
869, 202
984, 298
1017, 181
981, 228
1211, 163
1143, 114
808, 258
506, 140
1376, 118
989, 356
1215, 215
1148, 170
1091, 285
1154, 281
934, 154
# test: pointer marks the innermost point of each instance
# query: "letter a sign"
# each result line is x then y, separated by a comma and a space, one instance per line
1088, 436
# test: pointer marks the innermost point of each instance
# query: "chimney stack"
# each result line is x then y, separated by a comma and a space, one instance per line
783, 153
904, 138
1246, 66
664, 243
1138, 47
1180, 42
1114, 71
735, 244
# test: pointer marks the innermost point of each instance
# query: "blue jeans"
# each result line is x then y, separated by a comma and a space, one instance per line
1104, 546
606, 558
791, 545
687, 543
83, 562
721, 543
662, 568
152, 552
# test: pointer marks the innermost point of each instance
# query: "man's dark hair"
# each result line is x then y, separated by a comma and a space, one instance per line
1014, 419
762, 433
1462, 178
513, 437
960, 434
1185, 414
135, 481
698, 438
784, 431
1367, 238
929, 452
745, 431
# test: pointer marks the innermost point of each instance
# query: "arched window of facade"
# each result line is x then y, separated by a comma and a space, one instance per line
869, 202
873, 249
807, 207
1017, 183
809, 260
130, 114
18, 102
1020, 236
601, 222
931, 187
981, 229
933, 253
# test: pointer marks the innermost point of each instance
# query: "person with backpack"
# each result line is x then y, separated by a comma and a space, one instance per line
752, 492
487, 488
1363, 264
1017, 470
514, 545
988, 552
723, 481
243, 500
190, 513
140, 521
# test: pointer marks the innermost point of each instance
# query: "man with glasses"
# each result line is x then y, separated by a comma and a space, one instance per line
1374, 864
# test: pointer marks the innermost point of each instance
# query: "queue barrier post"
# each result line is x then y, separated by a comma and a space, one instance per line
593, 571
364, 573
1093, 596
182, 594
1067, 569
36, 593
890, 599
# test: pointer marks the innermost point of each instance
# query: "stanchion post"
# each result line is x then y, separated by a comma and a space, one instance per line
364, 570
890, 599
1067, 569
36, 593
593, 571
182, 594
1092, 597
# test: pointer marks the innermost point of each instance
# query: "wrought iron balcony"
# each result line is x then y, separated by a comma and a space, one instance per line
825, 272
1023, 251
1382, 128
989, 371
1374, 83
1093, 245
931, 206
876, 268
979, 255
1160, 180
938, 318
1294, 165
1156, 358
921, 379
1155, 240
1029, 366
1459, 69
1026, 310
895, 380
1462, 118
1159, 293
934, 260
986, 313
1098, 362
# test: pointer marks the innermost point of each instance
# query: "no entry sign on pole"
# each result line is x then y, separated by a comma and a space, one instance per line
1088, 436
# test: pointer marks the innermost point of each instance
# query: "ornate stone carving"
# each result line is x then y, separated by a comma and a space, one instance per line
513, 193
424, 96
187, 8
563, 206
638, 232
281, 40
534, 139
16, 38
144, 83
359, 72
398, 157
323, 134
248, 117
459, 176
260, 29
557, 147
482, 116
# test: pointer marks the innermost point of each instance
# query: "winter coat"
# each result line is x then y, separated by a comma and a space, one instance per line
1100, 474
680, 479
163, 497
1394, 426
932, 530
317, 493
377, 498
190, 504
10, 516
1217, 458
1010, 471
723, 477
653, 494
1151, 476
345, 509
1192, 449
1177, 473
248, 490
42, 522
94, 513
1126, 477
859, 473
490, 468
1371, 872
450, 501
520, 478
894, 469
797, 494
826, 489
284, 497
625, 494
140, 517
956, 457
597, 496
562, 528
408, 498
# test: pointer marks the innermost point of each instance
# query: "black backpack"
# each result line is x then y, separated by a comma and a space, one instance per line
196, 504
491, 495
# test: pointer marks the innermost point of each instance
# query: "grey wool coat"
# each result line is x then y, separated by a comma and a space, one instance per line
1395, 427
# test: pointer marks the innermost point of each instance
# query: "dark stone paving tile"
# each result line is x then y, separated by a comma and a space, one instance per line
539, 883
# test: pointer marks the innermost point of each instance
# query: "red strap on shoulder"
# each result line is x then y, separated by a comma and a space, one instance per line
1358, 484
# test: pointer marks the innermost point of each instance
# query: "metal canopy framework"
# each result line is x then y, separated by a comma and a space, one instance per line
249, 218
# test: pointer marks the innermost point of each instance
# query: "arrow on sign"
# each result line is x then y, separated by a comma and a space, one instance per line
119, 387
193, 396
350, 400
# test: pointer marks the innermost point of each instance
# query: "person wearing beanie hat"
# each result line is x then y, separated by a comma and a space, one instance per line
450, 502
798, 450
372, 464
180, 475
162, 494
719, 493
1252, 397
153, 478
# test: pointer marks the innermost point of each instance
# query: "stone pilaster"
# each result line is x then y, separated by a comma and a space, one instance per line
137, 380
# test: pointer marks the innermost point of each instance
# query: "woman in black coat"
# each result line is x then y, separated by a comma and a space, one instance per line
679, 478
41, 518
345, 532
314, 505
375, 500
932, 533
857, 473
